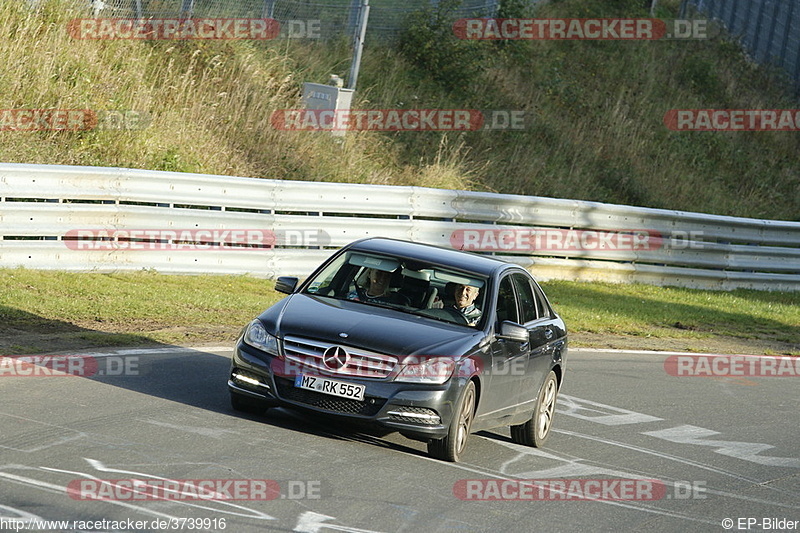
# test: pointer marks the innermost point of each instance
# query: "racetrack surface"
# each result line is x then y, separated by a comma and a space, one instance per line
697, 450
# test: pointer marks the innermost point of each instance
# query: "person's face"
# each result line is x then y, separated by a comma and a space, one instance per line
378, 281
465, 295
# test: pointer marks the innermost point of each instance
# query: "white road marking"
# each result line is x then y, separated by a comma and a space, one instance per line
216, 433
52, 487
533, 451
693, 464
686, 434
605, 414
311, 522
747, 451
97, 465
18, 515
156, 351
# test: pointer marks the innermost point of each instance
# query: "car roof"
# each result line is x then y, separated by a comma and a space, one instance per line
468, 261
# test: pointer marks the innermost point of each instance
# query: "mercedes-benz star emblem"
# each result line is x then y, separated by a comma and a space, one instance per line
335, 357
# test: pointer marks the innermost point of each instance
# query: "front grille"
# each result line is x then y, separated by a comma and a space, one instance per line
369, 407
307, 353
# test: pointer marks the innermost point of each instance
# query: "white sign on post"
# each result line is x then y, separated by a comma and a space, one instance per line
317, 96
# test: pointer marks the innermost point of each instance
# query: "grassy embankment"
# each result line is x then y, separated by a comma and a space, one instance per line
595, 108
53, 311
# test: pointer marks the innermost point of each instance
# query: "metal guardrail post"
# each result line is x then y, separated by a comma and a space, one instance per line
268, 11
358, 44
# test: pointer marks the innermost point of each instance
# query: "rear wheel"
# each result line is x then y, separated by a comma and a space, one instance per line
535, 431
451, 447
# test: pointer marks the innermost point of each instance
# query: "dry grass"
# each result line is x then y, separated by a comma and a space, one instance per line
210, 105
596, 111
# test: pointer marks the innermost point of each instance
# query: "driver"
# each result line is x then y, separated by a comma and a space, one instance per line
378, 290
465, 296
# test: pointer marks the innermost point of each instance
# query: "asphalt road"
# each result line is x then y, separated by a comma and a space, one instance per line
696, 450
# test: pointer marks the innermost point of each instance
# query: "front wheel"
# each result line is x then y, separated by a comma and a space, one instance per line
452, 446
535, 431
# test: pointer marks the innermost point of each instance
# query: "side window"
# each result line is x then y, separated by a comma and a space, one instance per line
527, 302
541, 306
506, 303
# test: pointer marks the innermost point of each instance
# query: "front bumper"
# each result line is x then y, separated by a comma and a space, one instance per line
417, 411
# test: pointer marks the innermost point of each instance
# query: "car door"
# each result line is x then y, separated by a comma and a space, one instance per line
509, 359
542, 331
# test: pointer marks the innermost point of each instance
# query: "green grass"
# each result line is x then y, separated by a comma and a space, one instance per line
42, 311
54, 309
132, 301
595, 108
662, 312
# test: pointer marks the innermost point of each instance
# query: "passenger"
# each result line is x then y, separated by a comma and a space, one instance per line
378, 290
465, 296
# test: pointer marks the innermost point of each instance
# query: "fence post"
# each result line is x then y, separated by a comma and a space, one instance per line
358, 43
785, 43
268, 11
771, 44
353, 15
187, 8
757, 35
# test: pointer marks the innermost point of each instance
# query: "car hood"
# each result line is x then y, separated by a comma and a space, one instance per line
368, 327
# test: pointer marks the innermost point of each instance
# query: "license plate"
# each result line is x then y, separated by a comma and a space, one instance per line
330, 386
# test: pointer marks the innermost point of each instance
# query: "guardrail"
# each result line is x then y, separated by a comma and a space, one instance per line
56, 217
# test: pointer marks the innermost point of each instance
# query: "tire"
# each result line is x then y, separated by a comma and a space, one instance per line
246, 405
452, 446
535, 431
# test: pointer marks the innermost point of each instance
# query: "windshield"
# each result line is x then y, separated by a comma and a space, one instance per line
410, 286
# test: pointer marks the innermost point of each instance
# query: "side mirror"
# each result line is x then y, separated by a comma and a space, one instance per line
513, 332
286, 284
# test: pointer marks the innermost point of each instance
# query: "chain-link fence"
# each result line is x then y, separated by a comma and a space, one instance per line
768, 29
329, 18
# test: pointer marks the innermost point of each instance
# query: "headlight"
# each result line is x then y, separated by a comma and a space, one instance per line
432, 370
257, 337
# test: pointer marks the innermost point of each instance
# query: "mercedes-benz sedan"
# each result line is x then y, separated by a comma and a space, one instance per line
432, 342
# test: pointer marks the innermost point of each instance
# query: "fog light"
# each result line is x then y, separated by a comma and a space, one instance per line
416, 415
248, 380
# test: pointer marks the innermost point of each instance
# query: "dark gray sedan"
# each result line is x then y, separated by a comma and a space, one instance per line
432, 342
